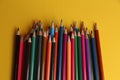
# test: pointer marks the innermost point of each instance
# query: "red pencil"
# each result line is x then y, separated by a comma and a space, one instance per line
72, 58
20, 62
48, 60
56, 53
99, 55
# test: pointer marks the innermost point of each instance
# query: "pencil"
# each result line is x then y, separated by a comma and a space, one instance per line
16, 55
82, 27
56, 53
89, 72
94, 55
60, 49
72, 57
91, 59
28, 58
48, 60
79, 56
52, 59
64, 65
83, 56
76, 56
44, 43
69, 59
38, 55
52, 30
32, 63
99, 54
20, 62
76, 27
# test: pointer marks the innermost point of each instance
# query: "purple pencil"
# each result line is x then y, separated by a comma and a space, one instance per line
83, 56
64, 66
88, 57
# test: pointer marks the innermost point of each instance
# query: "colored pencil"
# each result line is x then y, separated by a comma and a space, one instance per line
91, 59
83, 56
76, 27
79, 56
20, 62
52, 30
94, 55
52, 59
48, 60
33, 56
76, 56
72, 57
82, 27
28, 58
16, 55
99, 54
69, 59
64, 65
89, 72
38, 55
60, 49
43, 55
56, 53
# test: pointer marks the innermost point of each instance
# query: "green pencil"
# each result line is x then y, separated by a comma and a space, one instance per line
32, 56
79, 56
76, 56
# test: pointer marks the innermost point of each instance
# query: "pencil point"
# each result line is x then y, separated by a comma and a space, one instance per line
29, 40
75, 33
68, 38
40, 33
52, 24
92, 35
34, 34
95, 26
53, 39
44, 34
56, 29
49, 38
61, 23
72, 35
79, 33
18, 32
65, 31
82, 32
87, 32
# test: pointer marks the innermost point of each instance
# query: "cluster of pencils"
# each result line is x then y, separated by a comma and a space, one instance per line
58, 54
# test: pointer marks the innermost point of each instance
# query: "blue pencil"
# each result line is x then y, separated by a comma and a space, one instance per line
94, 56
60, 50
52, 30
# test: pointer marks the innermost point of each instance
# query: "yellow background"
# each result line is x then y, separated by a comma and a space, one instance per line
21, 13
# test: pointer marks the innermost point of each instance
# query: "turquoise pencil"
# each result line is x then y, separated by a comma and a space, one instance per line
32, 56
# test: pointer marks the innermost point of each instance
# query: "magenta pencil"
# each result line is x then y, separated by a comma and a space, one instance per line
72, 58
83, 56
64, 70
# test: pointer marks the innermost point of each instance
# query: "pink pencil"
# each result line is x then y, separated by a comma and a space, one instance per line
20, 62
72, 58
64, 70
83, 56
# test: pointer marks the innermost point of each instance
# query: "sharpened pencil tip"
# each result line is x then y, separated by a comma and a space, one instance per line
61, 23
54, 39
29, 40
79, 33
34, 34
52, 24
95, 26
68, 38
18, 32
72, 35
49, 38
92, 35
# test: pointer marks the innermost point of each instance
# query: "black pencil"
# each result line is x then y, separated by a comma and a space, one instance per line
27, 59
16, 55
38, 56
52, 60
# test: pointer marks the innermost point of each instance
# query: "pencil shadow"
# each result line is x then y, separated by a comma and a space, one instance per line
13, 57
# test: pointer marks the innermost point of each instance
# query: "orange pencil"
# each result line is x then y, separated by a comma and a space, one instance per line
69, 59
99, 54
56, 53
48, 60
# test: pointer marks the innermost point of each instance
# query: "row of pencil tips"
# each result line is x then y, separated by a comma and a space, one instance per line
37, 27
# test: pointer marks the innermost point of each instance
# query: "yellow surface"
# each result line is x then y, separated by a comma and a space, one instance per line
21, 13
